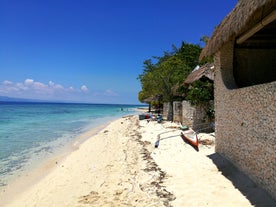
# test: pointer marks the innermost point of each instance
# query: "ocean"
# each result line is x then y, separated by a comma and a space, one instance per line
32, 132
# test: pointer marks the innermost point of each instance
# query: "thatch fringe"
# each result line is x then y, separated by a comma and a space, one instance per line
206, 70
244, 16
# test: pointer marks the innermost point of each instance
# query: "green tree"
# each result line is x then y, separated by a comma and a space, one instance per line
209, 59
200, 92
169, 70
204, 39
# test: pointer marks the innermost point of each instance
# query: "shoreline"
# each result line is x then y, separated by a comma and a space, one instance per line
119, 166
55, 129
38, 171
26, 194
34, 169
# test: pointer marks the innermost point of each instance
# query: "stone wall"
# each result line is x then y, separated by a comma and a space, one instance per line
167, 110
245, 122
196, 117
192, 116
177, 111
188, 112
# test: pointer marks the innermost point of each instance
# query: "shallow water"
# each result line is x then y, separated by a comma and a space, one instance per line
31, 132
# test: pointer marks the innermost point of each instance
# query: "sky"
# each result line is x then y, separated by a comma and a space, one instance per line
92, 51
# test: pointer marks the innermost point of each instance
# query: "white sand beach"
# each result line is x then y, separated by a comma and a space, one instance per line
119, 166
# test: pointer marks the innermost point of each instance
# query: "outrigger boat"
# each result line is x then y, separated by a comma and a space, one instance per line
190, 136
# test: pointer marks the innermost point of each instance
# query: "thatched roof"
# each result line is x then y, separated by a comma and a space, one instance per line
206, 70
245, 15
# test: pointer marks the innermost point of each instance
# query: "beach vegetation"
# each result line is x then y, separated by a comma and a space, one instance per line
165, 76
161, 74
200, 92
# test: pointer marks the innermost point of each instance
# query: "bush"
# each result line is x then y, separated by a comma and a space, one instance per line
200, 92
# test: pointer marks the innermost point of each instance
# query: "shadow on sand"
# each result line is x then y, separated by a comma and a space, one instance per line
256, 195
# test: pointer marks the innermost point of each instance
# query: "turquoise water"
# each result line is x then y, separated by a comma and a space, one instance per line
34, 131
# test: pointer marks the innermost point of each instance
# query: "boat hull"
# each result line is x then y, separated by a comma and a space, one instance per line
191, 137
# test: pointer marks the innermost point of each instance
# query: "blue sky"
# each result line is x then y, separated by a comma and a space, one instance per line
93, 50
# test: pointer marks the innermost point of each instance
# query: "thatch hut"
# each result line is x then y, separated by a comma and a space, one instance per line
206, 70
244, 50
196, 116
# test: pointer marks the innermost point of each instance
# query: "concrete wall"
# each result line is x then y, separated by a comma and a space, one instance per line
245, 122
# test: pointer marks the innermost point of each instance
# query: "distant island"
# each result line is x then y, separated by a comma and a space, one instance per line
11, 99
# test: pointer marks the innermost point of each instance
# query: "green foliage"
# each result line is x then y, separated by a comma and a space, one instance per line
204, 39
142, 95
168, 71
210, 113
189, 53
200, 92
209, 59
165, 76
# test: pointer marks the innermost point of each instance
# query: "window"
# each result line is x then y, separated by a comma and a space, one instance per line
255, 58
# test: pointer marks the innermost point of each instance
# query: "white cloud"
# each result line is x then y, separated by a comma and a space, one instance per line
109, 92
56, 86
39, 86
37, 90
59, 87
51, 83
84, 88
19, 86
71, 88
6, 82
29, 82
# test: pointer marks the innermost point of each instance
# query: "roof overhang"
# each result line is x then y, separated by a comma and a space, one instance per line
247, 18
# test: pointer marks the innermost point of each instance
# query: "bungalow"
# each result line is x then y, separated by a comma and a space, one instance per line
244, 50
196, 116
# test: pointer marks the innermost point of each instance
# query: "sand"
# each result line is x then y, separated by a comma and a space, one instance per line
119, 166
